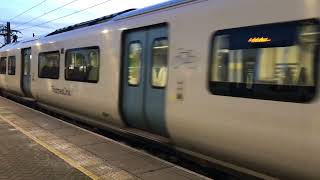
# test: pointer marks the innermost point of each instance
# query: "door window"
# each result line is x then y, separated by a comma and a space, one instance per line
134, 65
160, 62
26, 66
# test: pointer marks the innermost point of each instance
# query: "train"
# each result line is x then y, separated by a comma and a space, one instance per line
232, 82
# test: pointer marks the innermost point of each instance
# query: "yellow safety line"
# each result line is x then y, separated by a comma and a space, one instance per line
54, 151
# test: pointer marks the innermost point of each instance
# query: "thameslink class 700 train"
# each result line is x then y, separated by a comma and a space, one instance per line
232, 82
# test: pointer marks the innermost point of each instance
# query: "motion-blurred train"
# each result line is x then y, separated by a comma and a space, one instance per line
233, 82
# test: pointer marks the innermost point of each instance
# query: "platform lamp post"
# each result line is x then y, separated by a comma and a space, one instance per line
8, 33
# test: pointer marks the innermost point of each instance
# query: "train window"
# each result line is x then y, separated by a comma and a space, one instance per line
3, 65
12, 65
160, 62
82, 64
271, 62
49, 65
134, 60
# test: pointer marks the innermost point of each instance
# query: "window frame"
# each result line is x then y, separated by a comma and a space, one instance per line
79, 49
141, 61
212, 85
151, 79
6, 60
44, 53
15, 66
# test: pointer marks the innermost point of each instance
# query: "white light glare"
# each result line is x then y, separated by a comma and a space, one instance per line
105, 31
122, 29
160, 47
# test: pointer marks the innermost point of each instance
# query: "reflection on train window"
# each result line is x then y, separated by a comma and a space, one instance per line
3, 65
134, 63
49, 65
160, 62
279, 64
12, 65
82, 64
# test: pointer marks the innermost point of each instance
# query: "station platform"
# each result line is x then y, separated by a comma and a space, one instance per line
34, 145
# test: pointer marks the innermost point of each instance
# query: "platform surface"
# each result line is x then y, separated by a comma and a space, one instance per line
22, 158
34, 145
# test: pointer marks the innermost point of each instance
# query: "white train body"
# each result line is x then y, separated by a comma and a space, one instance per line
273, 138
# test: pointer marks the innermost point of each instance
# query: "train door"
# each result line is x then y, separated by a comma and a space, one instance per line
145, 78
26, 71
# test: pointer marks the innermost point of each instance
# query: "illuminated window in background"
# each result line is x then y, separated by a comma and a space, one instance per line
160, 62
3, 65
134, 63
49, 65
12, 65
276, 70
82, 64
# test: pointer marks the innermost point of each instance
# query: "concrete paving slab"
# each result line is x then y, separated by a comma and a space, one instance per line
169, 173
107, 150
138, 164
67, 132
85, 139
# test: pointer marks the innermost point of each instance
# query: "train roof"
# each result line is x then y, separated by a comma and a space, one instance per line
105, 19
23, 43
153, 8
121, 15
88, 23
